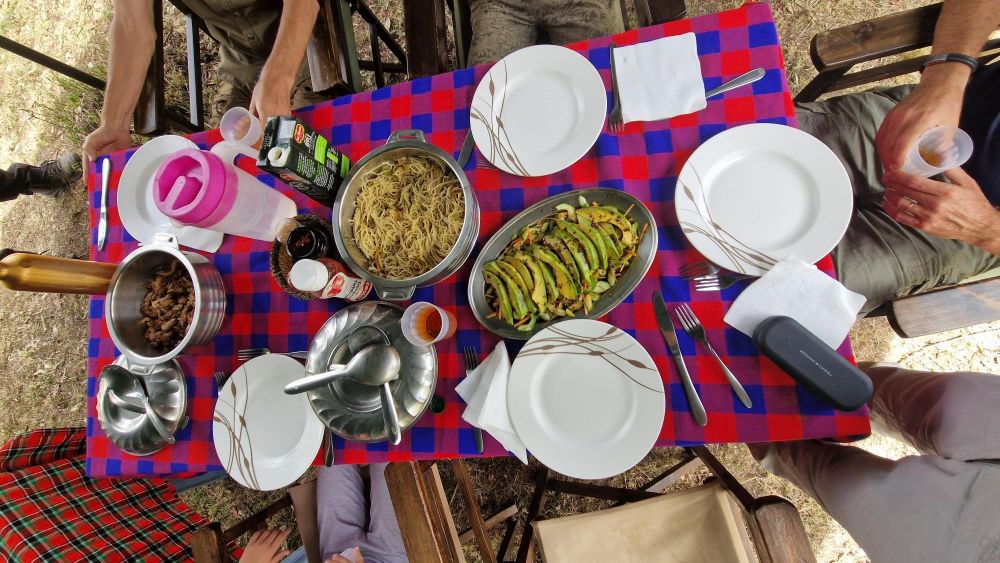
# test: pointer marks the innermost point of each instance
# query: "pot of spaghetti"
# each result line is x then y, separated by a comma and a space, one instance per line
406, 216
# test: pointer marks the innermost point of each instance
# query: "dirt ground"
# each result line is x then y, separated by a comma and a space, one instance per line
43, 337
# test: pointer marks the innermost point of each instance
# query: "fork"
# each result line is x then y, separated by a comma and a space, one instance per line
695, 330
615, 121
716, 282
220, 378
251, 353
693, 270
471, 363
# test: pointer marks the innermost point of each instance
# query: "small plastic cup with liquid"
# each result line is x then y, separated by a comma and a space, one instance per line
238, 125
425, 323
939, 149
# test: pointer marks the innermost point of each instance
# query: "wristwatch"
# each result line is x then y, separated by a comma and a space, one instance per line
951, 58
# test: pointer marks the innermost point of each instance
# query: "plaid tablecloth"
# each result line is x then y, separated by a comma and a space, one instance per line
642, 161
49, 511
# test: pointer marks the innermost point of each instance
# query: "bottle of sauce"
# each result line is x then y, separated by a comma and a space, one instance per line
309, 243
326, 278
23, 271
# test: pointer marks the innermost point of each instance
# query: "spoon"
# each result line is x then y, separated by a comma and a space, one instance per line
124, 404
377, 364
118, 377
360, 338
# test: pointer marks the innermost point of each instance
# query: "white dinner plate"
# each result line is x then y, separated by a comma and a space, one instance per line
752, 195
538, 110
136, 207
265, 439
586, 399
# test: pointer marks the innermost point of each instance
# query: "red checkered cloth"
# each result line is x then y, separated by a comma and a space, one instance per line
50, 510
643, 160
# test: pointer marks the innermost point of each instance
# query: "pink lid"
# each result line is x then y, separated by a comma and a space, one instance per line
194, 187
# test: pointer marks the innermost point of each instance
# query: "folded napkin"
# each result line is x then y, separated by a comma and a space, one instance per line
659, 79
795, 289
484, 389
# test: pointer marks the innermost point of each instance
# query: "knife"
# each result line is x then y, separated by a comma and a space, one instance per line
102, 225
467, 145
668, 330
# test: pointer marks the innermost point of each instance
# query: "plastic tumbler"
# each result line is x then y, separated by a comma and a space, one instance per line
238, 125
425, 323
201, 189
939, 149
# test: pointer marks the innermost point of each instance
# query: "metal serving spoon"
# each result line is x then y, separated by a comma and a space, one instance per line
120, 378
377, 364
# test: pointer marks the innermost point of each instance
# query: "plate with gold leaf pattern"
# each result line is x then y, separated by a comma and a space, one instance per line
755, 194
265, 439
538, 110
586, 399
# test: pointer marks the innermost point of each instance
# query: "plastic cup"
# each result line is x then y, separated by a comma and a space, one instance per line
425, 323
939, 149
238, 125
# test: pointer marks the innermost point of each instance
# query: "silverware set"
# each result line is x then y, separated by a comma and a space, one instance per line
615, 121
471, 363
694, 329
708, 277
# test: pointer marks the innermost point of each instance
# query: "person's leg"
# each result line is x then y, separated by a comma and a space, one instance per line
920, 508
384, 539
49, 178
953, 415
500, 27
340, 508
878, 257
576, 20
238, 73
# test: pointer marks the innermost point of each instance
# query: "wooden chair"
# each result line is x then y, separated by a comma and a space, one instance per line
426, 35
425, 518
835, 53
773, 530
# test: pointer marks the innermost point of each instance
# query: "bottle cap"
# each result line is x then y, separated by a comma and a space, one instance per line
194, 187
308, 275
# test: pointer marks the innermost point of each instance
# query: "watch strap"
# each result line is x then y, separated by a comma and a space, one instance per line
942, 58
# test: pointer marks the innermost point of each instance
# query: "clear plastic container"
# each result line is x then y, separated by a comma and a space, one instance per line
201, 189
939, 149
424, 323
238, 125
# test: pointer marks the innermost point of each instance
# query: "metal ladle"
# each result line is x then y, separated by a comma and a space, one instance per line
119, 378
376, 365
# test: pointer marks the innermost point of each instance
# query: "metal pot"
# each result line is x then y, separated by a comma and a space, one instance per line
122, 306
402, 143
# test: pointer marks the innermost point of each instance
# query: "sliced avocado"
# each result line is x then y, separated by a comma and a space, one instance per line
593, 258
598, 241
498, 288
563, 280
525, 274
605, 214
571, 243
510, 274
528, 326
611, 235
557, 246
538, 293
550, 279
517, 302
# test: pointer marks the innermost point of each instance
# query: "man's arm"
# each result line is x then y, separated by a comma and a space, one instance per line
133, 39
271, 95
963, 27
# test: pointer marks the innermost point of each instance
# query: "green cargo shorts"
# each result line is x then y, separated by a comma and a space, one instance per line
500, 27
878, 257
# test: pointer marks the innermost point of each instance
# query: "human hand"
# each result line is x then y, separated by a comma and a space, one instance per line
355, 557
937, 100
957, 210
271, 96
103, 140
265, 547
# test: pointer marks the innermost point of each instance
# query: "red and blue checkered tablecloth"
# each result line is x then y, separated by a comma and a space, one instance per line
643, 161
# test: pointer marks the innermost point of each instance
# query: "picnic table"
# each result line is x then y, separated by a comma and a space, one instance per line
643, 160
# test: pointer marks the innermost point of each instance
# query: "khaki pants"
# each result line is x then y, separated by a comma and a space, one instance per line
941, 506
500, 27
878, 257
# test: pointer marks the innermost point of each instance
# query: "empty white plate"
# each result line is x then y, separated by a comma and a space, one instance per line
752, 195
586, 399
136, 207
538, 110
265, 439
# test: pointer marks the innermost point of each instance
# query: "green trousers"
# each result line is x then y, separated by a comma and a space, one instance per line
878, 257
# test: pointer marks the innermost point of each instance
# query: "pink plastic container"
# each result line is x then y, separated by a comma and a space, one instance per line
199, 188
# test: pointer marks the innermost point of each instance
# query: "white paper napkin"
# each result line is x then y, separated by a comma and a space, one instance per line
659, 79
485, 391
798, 290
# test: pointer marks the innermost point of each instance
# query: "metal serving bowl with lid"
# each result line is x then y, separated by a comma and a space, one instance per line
409, 142
123, 303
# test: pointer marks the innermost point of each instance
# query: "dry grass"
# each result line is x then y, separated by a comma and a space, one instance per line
43, 337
